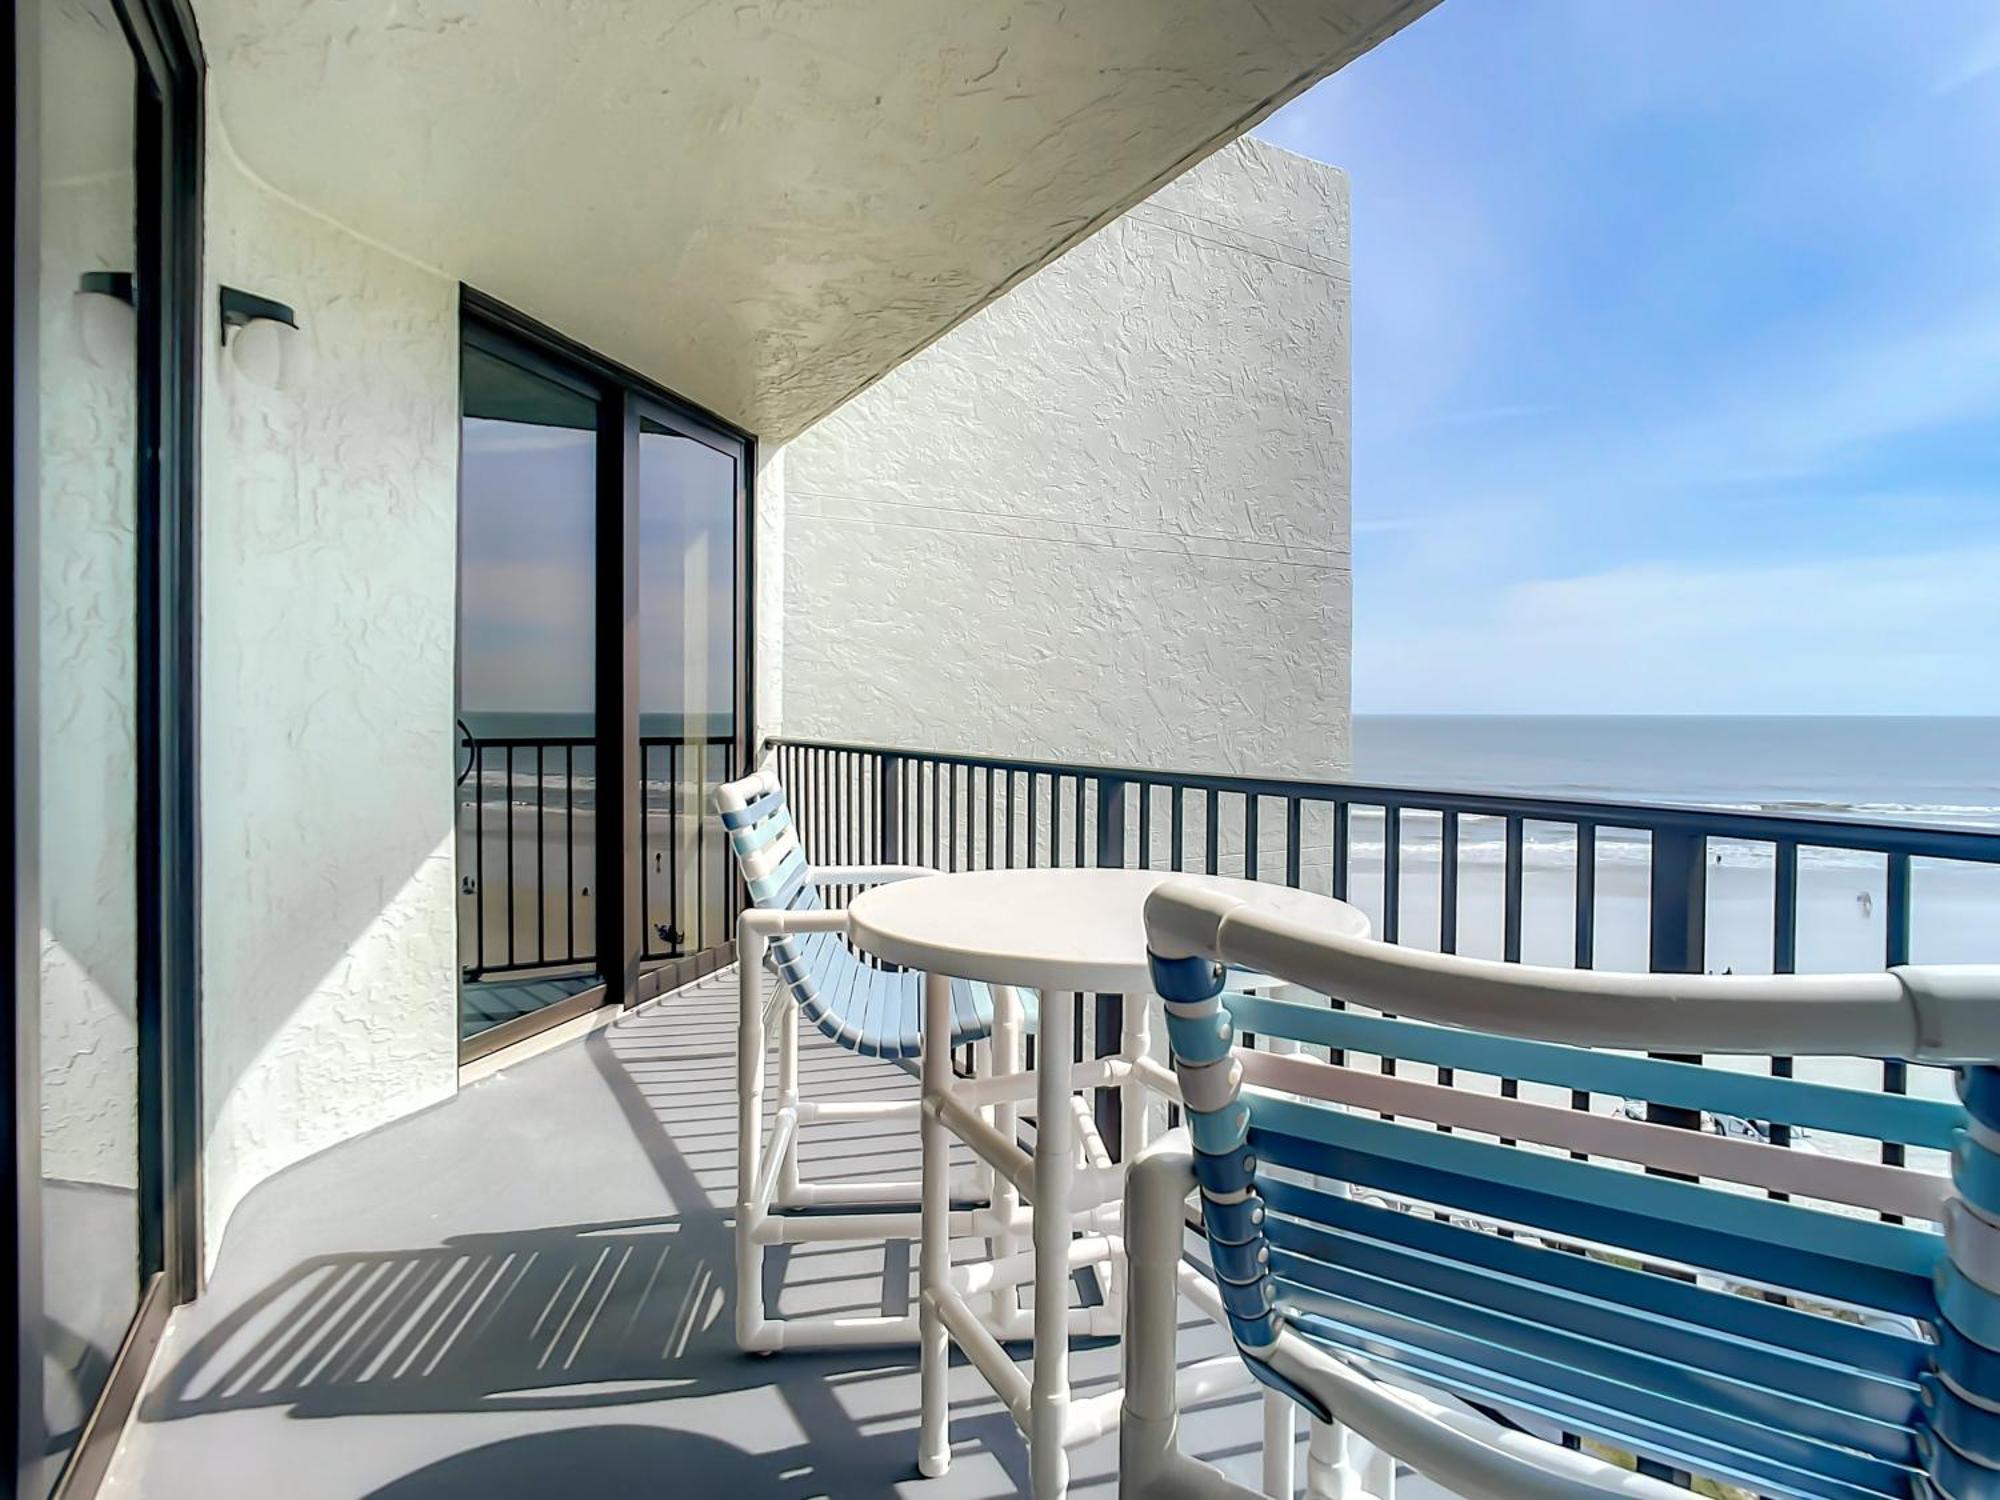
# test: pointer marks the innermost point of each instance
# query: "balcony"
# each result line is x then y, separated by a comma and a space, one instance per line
530, 1287
451, 440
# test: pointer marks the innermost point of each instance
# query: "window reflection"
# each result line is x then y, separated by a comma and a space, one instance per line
527, 693
687, 655
88, 398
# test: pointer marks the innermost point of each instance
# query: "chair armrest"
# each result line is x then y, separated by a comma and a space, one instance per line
868, 874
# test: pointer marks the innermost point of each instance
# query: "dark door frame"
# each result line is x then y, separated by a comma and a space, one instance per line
624, 396
168, 60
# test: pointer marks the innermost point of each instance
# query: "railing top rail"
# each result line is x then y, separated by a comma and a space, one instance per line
524, 742
528, 741
1919, 840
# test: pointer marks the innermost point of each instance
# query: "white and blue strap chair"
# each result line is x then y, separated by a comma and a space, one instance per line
789, 931
1455, 1279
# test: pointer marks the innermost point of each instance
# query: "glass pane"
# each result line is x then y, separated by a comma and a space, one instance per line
89, 395
526, 690
687, 682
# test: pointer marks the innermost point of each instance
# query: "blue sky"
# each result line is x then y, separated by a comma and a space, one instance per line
1676, 355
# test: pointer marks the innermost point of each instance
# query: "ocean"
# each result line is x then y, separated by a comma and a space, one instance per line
1934, 770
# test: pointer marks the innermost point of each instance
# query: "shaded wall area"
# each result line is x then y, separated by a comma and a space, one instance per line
329, 568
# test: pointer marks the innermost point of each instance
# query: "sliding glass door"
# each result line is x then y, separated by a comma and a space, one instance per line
88, 690
601, 680
527, 691
690, 491
102, 675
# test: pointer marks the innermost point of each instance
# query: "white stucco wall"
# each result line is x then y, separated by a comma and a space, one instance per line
328, 574
1106, 519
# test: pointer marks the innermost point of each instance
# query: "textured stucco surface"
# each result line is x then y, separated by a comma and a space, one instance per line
328, 562
1106, 519
767, 204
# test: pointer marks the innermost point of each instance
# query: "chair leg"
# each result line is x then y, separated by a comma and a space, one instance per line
788, 1098
750, 947
1280, 1441
1330, 1463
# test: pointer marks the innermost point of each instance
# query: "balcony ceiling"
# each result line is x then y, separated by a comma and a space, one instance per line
764, 205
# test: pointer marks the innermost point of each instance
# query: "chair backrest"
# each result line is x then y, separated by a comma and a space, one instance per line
826, 978
766, 844
1803, 1322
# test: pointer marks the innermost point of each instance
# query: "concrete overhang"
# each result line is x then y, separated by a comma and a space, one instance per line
764, 205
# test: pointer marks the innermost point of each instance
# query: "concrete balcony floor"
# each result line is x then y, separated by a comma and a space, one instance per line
528, 1291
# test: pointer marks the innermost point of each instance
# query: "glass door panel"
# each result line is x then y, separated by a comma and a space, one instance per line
88, 708
527, 828
689, 488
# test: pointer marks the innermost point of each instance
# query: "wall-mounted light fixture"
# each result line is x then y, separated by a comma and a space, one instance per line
268, 348
107, 319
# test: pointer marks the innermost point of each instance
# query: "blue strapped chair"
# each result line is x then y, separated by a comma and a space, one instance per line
1454, 1279
789, 930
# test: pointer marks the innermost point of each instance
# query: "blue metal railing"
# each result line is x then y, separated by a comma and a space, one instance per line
528, 849
867, 803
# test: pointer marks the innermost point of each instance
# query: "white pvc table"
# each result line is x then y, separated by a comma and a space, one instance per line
1060, 932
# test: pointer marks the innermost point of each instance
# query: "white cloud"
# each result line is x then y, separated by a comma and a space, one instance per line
1912, 634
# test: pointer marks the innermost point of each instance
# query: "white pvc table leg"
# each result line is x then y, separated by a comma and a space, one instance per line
934, 1262
1008, 1030
1055, 1170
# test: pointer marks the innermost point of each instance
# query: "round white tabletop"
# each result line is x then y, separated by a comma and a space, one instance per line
1048, 929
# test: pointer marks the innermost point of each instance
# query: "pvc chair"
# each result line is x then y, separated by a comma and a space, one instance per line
1456, 1302
789, 929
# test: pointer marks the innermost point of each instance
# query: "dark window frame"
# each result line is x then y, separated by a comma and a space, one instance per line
170, 68
626, 977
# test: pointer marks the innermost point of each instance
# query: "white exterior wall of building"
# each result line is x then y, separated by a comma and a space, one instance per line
1105, 520
329, 571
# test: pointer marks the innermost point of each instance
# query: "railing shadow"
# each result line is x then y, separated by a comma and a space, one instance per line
632, 1313
567, 1316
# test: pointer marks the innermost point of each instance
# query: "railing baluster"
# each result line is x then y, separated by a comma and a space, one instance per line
513, 919
1510, 938
1213, 822
1677, 940
700, 810
1341, 840
1585, 952
1585, 946
569, 851
541, 880
1294, 875
645, 849
1448, 882
1010, 820
479, 856
1896, 952
676, 934
1392, 874
1034, 815
1177, 827
1250, 837
1145, 825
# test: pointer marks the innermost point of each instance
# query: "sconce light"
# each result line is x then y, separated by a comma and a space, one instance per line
107, 320
268, 348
